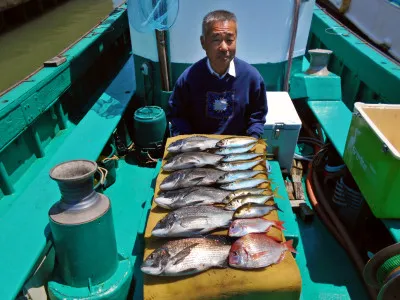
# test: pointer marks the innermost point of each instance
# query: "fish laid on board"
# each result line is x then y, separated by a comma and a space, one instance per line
190, 177
243, 184
244, 192
238, 165
239, 201
197, 195
241, 156
193, 143
257, 250
227, 151
191, 160
235, 142
241, 227
187, 256
192, 221
236, 175
254, 210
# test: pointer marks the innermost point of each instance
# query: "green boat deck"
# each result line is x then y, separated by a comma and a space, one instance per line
27, 228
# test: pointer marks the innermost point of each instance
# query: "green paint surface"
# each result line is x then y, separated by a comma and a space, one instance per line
335, 119
326, 270
366, 76
27, 228
360, 63
25, 48
375, 171
286, 215
85, 251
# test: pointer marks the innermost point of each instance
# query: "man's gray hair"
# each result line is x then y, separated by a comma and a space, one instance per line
217, 16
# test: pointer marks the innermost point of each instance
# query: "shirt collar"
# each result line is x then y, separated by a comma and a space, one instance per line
231, 69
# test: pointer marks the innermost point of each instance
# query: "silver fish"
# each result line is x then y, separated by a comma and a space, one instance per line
241, 227
238, 165
234, 142
226, 151
240, 156
190, 177
257, 250
193, 143
254, 210
244, 192
186, 257
239, 201
243, 184
197, 195
192, 221
191, 160
236, 175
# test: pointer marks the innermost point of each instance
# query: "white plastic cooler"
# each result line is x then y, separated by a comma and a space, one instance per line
282, 128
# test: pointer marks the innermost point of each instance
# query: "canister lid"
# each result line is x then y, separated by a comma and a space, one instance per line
149, 113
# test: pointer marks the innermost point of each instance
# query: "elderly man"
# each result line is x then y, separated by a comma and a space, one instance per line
220, 94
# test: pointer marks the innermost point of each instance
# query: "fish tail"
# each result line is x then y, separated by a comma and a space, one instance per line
277, 208
262, 142
262, 164
289, 245
276, 195
279, 225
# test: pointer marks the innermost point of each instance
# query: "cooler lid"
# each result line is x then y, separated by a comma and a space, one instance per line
281, 111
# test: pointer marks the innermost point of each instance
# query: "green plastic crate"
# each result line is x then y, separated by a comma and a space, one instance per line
372, 156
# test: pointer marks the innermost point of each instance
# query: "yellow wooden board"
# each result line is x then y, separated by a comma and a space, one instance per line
281, 281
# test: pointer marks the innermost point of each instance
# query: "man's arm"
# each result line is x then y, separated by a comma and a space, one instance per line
257, 110
177, 110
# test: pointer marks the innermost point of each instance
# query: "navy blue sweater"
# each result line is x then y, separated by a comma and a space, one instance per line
202, 103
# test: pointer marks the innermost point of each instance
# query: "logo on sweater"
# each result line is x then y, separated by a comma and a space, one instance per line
220, 105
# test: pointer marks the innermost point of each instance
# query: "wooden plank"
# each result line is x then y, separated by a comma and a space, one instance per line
298, 190
289, 189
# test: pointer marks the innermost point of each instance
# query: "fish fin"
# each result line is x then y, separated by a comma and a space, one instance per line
224, 265
219, 238
197, 179
275, 238
279, 225
276, 207
196, 202
281, 257
289, 245
187, 222
180, 256
259, 254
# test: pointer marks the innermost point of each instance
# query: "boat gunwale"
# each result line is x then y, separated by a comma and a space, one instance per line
60, 54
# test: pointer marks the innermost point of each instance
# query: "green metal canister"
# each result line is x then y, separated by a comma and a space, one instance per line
82, 227
150, 124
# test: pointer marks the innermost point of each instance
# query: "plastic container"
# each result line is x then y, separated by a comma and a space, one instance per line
372, 156
150, 124
282, 128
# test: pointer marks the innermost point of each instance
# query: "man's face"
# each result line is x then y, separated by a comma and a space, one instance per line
219, 43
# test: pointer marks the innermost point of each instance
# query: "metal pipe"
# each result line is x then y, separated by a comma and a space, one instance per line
293, 34
163, 59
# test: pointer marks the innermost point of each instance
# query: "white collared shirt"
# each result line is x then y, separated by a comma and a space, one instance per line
231, 69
